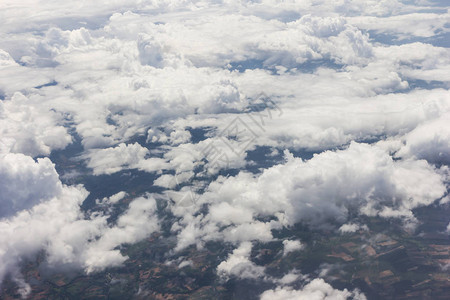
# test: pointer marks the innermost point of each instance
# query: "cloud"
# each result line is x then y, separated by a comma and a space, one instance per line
29, 231
350, 227
112, 200
239, 265
40, 213
333, 182
103, 80
25, 182
317, 289
291, 277
430, 141
363, 179
291, 246
15, 78
362, 84
131, 156
27, 126
136, 223
404, 26
273, 42
335, 115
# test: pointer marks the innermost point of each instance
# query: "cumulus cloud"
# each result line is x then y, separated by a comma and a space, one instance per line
350, 227
337, 73
27, 126
430, 141
239, 264
40, 213
131, 156
333, 182
125, 92
25, 182
136, 223
362, 178
16, 77
285, 44
317, 289
291, 246
413, 25
113, 199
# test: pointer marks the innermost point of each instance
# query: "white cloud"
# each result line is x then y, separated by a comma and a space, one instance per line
291, 246
239, 264
25, 182
108, 203
136, 223
111, 96
328, 184
40, 213
317, 289
430, 141
405, 26
131, 156
291, 277
350, 227
320, 192
109, 72
116, 197
27, 126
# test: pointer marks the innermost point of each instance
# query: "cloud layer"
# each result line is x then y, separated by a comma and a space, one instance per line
191, 91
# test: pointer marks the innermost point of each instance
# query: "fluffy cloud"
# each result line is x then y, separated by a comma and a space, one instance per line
291, 246
430, 141
15, 77
412, 25
350, 227
30, 230
28, 127
132, 156
112, 200
238, 264
110, 72
40, 213
321, 192
25, 182
136, 223
128, 88
317, 289
331, 183
248, 37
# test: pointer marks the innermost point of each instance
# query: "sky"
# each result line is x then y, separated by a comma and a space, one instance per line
346, 102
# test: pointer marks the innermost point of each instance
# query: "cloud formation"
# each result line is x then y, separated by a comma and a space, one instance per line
40, 213
317, 289
238, 264
362, 179
362, 84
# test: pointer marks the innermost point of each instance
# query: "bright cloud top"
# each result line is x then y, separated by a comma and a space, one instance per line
130, 84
